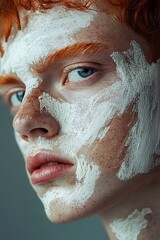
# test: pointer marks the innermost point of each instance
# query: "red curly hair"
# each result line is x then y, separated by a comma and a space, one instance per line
143, 16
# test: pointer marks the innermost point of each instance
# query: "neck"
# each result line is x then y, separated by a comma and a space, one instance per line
137, 217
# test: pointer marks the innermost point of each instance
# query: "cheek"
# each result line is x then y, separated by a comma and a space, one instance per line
110, 151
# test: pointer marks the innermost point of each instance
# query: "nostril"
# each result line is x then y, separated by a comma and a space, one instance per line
25, 138
32, 127
39, 132
36, 132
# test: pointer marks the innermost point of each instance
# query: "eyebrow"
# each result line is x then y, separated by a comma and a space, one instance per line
78, 49
7, 80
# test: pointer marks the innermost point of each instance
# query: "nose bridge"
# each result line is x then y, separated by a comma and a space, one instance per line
30, 122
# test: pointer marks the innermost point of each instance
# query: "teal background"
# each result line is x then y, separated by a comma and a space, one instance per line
21, 213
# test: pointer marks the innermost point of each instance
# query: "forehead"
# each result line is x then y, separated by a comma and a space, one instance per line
56, 29
44, 33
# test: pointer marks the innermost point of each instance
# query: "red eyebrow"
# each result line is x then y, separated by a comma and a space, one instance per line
68, 52
6, 80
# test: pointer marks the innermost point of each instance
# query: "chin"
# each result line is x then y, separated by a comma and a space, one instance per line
62, 217
60, 212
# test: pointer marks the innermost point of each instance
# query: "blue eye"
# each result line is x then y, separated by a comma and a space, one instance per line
80, 74
17, 98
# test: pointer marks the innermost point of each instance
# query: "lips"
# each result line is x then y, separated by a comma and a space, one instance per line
44, 167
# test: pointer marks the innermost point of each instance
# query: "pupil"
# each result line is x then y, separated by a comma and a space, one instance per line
20, 95
85, 72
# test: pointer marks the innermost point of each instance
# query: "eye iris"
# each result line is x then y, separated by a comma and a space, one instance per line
20, 95
86, 72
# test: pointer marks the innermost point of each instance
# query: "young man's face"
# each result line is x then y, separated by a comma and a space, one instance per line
73, 114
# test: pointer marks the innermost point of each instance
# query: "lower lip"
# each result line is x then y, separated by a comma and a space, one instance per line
49, 173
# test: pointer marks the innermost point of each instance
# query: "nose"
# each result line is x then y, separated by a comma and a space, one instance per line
31, 123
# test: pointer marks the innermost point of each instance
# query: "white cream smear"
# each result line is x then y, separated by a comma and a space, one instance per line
130, 228
144, 138
87, 174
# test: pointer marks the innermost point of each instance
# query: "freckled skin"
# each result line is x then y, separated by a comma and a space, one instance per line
116, 137
108, 154
30, 109
29, 123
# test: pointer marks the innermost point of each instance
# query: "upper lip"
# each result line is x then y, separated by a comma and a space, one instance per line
36, 161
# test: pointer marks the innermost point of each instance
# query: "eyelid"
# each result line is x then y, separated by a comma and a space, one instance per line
75, 66
7, 87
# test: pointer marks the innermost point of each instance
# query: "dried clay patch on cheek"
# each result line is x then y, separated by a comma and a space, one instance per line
140, 80
130, 228
44, 34
80, 126
86, 177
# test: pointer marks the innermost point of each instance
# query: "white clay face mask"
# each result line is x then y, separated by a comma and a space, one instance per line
130, 228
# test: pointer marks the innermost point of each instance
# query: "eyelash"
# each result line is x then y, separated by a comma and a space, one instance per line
94, 77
